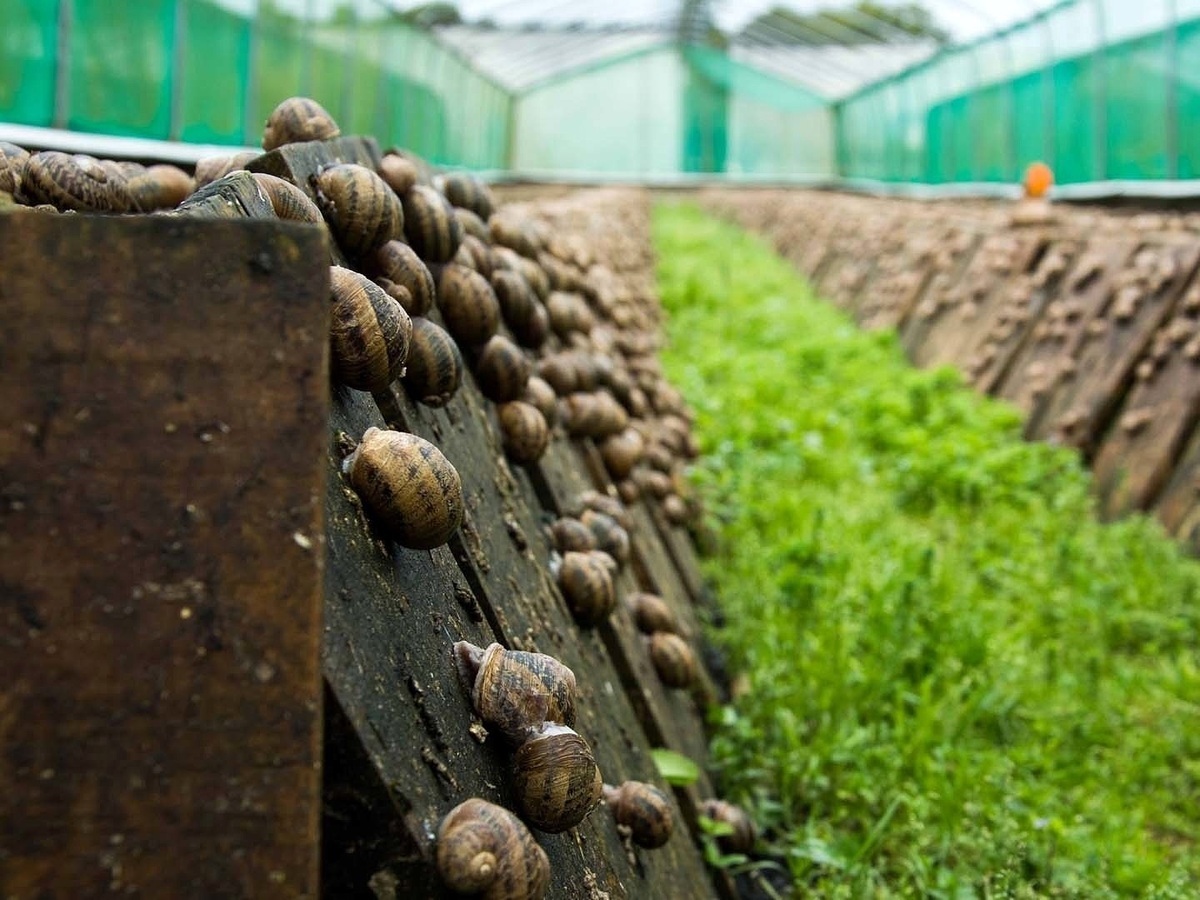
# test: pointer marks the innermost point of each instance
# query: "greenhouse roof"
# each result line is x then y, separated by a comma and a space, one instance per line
833, 72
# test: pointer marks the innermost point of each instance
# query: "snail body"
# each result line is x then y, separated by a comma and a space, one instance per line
398, 263
432, 228
515, 691
408, 486
484, 849
361, 209
160, 187
523, 431
502, 370
298, 119
673, 659
587, 585
556, 779
644, 809
370, 332
435, 364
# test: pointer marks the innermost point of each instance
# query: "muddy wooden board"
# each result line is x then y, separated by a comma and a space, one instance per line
161, 472
1178, 507
1080, 410
948, 264
1138, 456
1046, 356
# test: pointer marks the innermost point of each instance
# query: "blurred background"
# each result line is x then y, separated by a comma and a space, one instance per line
938, 92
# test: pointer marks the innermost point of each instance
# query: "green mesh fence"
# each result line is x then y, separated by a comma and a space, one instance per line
214, 97
28, 57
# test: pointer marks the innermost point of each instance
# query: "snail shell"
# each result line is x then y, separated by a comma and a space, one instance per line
610, 506
621, 453
515, 691
468, 304
644, 809
744, 832
435, 365
562, 276
474, 226
586, 583
432, 228
523, 431
673, 659
523, 312
556, 779
542, 396
653, 482
475, 255
560, 372
568, 313
572, 534
12, 167
398, 263
535, 276
484, 849
361, 209
628, 491
674, 509
651, 613
214, 167
513, 233
298, 119
400, 173
160, 187
288, 201
610, 536
468, 192
659, 457
408, 486
370, 332
77, 182
502, 370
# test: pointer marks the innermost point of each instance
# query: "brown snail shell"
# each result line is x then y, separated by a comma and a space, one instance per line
535, 276
362, 210
560, 372
651, 613
288, 201
541, 395
369, 331
673, 659
522, 311
79, 182
430, 224
562, 276
511, 232
298, 119
587, 586
484, 849
474, 255
435, 364
610, 506
568, 313
644, 810
523, 431
398, 263
160, 187
571, 534
653, 482
475, 227
514, 691
408, 486
400, 173
659, 457
744, 831
468, 305
621, 452
556, 779
502, 370
610, 536
468, 192
12, 167
675, 509
214, 167
628, 491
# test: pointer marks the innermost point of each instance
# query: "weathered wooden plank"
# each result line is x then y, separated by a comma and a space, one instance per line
1179, 506
949, 263
161, 462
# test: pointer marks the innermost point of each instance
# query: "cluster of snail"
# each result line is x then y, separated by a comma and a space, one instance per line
592, 548
670, 652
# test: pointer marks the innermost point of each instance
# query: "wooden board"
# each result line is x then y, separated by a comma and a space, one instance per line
1178, 508
161, 467
949, 264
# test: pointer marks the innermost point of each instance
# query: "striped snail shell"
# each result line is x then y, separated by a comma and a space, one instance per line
610, 506
556, 779
673, 659
288, 201
522, 311
562, 276
513, 233
160, 187
560, 372
408, 486
535, 276
653, 482
659, 457
744, 831
523, 431
361, 209
12, 167
621, 452
651, 613
430, 224
399, 264
541, 395
514, 691
569, 312
468, 305
644, 810
587, 585
79, 182
400, 173
468, 192
484, 849
435, 365
610, 536
298, 119
475, 227
474, 254
369, 331
502, 370
571, 534
214, 167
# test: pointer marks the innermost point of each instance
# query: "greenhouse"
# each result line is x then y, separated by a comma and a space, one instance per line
544, 449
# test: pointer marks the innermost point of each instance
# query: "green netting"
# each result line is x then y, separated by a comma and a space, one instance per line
28, 56
1187, 106
1032, 135
1075, 92
214, 97
1136, 110
121, 64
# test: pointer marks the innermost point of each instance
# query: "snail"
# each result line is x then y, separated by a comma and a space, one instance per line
744, 833
628, 491
468, 192
515, 691
610, 506
160, 187
288, 201
610, 536
508, 231
435, 365
473, 254
561, 372
400, 173
523, 431
555, 778
474, 226
397, 263
659, 457
673, 659
653, 482
569, 312
78, 182
571, 534
594, 415
586, 583
484, 849
432, 228
502, 370
651, 613
675, 510
12, 166
621, 452
541, 395
533, 273
361, 209
643, 809
298, 119
562, 276
522, 311
211, 168
408, 485
468, 305
370, 332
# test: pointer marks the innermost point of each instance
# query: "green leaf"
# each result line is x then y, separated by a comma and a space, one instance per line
676, 768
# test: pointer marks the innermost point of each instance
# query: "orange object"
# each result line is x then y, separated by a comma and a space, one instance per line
1038, 179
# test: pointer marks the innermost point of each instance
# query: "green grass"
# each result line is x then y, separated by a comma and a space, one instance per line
960, 685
